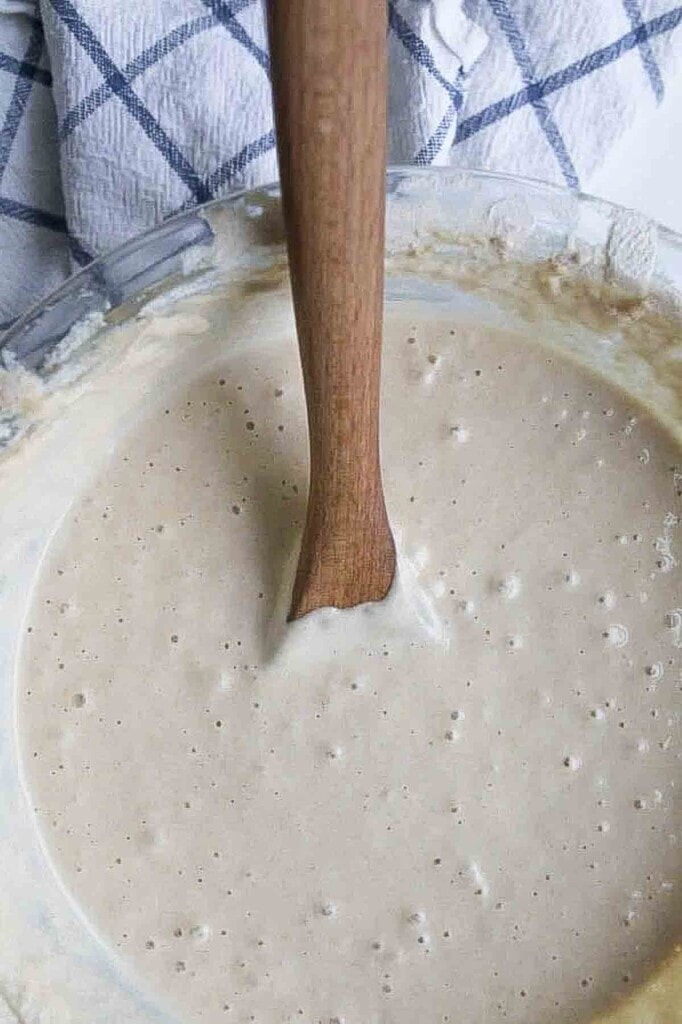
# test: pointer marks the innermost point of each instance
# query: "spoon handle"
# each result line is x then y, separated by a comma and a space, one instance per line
329, 84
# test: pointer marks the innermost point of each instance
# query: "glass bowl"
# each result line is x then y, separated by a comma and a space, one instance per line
52, 966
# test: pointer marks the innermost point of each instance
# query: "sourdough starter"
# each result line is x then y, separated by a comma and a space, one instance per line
460, 806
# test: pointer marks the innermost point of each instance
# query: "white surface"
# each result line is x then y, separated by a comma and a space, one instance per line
643, 169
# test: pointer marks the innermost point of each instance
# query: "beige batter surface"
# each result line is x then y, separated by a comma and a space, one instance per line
460, 807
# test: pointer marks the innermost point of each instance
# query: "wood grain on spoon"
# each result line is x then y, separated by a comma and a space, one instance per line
329, 84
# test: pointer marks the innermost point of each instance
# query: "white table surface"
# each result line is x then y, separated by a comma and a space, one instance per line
643, 170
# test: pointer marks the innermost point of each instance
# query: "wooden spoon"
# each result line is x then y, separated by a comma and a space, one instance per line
329, 84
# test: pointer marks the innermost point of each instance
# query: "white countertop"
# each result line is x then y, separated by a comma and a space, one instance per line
643, 170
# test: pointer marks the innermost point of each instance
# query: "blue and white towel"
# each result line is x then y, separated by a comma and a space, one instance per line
115, 115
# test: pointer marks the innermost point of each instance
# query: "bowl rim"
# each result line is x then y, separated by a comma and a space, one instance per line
394, 174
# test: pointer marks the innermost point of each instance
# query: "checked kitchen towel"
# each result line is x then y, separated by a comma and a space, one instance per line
115, 115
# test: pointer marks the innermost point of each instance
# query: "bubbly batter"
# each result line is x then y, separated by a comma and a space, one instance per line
460, 807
